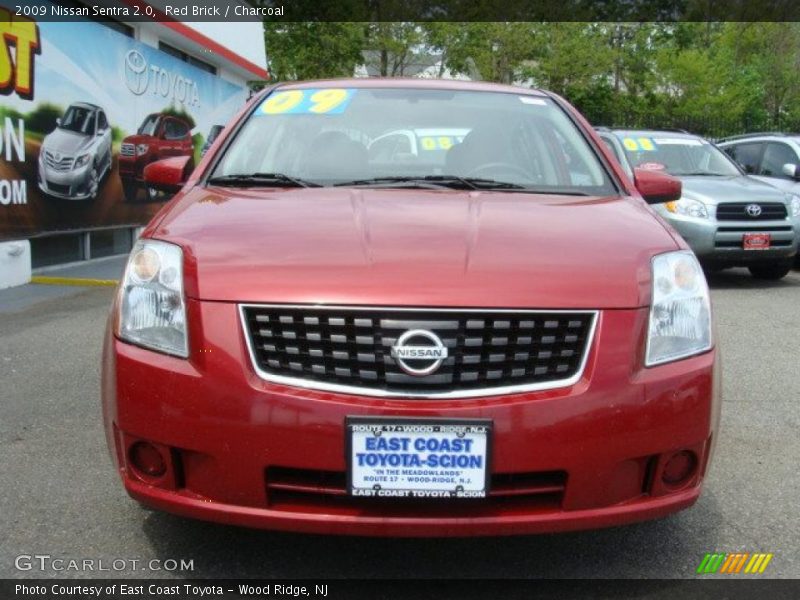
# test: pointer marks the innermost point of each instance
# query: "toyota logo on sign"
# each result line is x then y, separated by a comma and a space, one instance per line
136, 72
753, 210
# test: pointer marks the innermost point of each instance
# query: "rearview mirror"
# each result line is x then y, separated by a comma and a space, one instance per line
791, 170
168, 175
58, 121
655, 187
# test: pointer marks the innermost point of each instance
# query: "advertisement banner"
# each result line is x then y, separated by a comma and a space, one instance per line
83, 109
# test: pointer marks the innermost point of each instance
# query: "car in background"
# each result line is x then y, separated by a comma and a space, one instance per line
771, 157
76, 155
212, 135
728, 218
506, 340
159, 136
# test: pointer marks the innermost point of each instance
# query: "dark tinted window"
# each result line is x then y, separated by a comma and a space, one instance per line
174, 130
149, 125
747, 155
78, 119
775, 156
102, 123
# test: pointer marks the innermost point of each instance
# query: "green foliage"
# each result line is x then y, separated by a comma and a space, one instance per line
179, 113
738, 75
42, 119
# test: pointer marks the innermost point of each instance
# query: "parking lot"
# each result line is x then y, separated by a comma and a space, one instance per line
61, 497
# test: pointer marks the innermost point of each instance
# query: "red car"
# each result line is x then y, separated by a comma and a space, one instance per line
498, 339
159, 136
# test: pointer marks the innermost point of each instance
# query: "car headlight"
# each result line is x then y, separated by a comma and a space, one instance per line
152, 310
141, 149
680, 315
688, 208
794, 205
82, 160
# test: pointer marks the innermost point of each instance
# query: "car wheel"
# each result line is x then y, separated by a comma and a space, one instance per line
771, 272
94, 183
130, 190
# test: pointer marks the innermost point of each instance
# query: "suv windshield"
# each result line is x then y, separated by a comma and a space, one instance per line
677, 155
404, 137
149, 126
79, 120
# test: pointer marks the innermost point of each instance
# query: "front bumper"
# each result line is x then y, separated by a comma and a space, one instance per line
248, 452
720, 242
69, 185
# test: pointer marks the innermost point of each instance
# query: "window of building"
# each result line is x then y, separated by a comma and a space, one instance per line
187, 58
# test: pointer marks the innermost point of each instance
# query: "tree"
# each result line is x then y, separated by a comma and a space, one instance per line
313, 50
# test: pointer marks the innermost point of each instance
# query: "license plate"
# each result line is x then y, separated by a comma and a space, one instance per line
756, 241
418, 458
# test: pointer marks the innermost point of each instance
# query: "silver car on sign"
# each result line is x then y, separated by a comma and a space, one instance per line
727, 217
76, 156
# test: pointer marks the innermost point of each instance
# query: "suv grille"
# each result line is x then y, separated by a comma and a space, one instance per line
127, 150
350, 349
737, 211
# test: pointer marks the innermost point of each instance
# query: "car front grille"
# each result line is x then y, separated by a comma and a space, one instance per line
58, 188
57, 162
737, 211
350, 349
127, 150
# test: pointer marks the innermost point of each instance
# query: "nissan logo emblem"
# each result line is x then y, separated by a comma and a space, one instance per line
753, 210
419, 352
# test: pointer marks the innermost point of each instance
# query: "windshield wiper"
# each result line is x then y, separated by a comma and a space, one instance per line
450, 181
246, 179
699, 174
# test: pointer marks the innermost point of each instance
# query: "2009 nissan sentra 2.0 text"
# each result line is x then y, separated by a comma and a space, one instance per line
411, 308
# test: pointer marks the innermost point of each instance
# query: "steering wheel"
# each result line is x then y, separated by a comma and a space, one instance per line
502, 167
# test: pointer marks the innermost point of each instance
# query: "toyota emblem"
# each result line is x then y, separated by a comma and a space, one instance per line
753, 210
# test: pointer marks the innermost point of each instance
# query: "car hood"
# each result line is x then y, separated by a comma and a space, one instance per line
737, 188
68, 143
138, 139
415, 247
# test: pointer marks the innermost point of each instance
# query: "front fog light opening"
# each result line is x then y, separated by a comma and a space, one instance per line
679, 469
147, 460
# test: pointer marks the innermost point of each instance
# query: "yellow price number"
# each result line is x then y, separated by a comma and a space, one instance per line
311, 101
282, 102
630, 144
326, 100
646, 144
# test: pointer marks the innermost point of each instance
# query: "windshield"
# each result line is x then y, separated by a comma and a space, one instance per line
676, 155
353, 136
149, 126
79, 120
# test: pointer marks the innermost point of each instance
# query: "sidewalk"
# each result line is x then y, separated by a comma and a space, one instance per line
61, 282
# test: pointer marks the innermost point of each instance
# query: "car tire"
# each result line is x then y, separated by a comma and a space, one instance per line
94, 183
771, 271
130, 190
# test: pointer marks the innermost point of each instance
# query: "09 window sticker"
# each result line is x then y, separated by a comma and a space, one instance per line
641, 144
318, 101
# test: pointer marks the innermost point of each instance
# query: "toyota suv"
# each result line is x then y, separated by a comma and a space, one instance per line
503, 341
727, 217
76, 156
159, 136
771, 157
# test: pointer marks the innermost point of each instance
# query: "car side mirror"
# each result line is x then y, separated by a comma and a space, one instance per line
168, 175
791, 170
655, 187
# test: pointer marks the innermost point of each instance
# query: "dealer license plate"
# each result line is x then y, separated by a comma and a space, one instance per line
418, 458
756, 241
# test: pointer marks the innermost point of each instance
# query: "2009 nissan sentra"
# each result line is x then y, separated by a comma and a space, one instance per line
496, 336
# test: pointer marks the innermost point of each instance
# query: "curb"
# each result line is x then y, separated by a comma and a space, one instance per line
44, 280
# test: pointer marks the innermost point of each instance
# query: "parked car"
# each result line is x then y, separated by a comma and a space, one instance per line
212, 135
306, 340
76, 155
727, 217
771, 157
159, 136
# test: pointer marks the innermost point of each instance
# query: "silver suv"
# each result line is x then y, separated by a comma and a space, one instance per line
770, 157
727, 217
76, 155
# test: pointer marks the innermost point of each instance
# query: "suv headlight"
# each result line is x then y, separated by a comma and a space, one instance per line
152, 310
680, 315
82, 160
794, 205
141, 149
688, 208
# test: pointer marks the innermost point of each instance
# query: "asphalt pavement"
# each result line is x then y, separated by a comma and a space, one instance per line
59, 495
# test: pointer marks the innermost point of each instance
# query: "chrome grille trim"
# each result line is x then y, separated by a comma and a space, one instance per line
127, 149
303, 383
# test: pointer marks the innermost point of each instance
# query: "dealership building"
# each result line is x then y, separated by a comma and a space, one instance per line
88, 106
